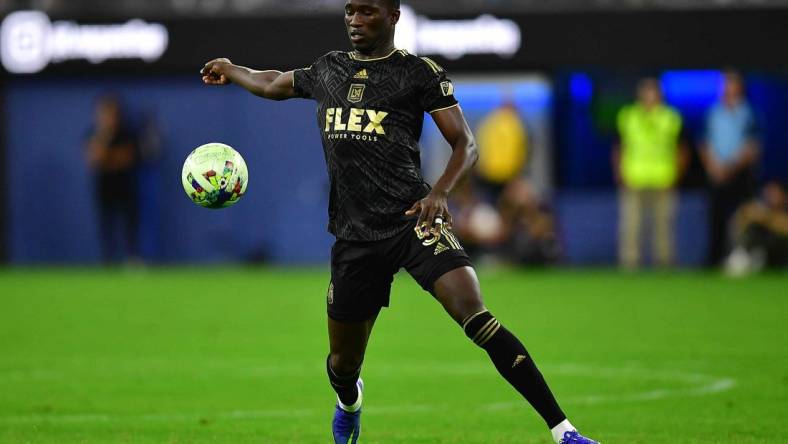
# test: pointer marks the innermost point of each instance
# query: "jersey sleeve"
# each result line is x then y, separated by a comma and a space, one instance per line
435, 89
305, 81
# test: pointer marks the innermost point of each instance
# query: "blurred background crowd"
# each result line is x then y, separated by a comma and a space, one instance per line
617, 132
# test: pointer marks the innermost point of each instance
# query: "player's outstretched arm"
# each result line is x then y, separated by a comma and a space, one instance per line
452, 124
274, 85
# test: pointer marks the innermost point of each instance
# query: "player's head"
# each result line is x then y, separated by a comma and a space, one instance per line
732, 87
649, 91
774, 194
108, 111
370, 23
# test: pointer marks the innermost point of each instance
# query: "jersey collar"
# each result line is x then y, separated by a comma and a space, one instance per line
353, 56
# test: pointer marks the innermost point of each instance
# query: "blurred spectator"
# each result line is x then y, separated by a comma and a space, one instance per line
528, 226
476, 221
521, 229
760, 233
648, 163
502, 140
112, 157
729, 154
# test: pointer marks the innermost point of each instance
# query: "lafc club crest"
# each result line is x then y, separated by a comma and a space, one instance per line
447, 88
356, 93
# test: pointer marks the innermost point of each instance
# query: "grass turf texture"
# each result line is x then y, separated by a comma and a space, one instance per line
237, 356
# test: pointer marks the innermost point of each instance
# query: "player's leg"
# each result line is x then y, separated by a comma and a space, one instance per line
441, 266
458, 291
348, 343
630, 221
106, 228
360, 285
664, 221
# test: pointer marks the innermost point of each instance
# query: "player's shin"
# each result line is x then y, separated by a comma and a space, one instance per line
514, 364
345, 387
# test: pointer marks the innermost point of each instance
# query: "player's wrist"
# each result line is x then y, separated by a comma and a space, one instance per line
441, 192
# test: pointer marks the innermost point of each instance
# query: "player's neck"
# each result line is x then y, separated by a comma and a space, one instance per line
376, 53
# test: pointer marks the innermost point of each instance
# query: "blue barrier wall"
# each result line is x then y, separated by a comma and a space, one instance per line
282, 218
588, 227
52, 213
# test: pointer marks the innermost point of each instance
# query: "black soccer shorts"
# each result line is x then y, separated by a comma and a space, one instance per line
362, 271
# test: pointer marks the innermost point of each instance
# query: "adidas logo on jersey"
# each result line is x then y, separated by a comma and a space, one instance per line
361, 75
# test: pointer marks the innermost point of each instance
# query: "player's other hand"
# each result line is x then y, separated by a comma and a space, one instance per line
215, 72
433, 211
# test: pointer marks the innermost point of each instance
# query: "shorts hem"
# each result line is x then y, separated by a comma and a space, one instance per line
352, 317
443, 268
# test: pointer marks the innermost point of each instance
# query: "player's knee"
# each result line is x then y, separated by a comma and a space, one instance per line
345, 363
466, 307
458, 291
481, 327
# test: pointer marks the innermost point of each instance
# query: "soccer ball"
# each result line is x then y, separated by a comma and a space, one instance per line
214, 176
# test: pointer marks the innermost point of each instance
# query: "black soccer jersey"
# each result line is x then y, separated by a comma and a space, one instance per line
370, 115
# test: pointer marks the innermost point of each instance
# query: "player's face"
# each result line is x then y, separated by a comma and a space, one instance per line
774, 196
370, 24
108, 114
733, 89
649, 93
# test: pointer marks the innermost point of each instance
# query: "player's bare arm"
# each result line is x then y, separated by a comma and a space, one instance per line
452, 124
274, 85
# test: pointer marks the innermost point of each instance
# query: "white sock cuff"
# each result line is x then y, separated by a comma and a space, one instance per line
559, 430
351, 408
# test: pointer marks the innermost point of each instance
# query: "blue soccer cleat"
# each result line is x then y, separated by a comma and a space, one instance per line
576, 438
346, 425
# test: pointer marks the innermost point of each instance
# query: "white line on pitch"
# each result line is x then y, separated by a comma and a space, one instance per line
700, 385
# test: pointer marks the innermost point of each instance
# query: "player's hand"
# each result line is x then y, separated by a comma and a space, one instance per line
433, 212
215, 72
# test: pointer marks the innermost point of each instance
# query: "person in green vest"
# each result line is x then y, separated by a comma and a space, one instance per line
648, 162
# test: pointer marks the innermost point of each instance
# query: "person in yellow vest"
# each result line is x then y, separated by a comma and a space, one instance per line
648, 162
503, 143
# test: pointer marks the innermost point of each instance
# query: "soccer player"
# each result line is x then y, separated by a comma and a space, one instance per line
371, 103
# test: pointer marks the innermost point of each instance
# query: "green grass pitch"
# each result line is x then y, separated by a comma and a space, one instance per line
223, 355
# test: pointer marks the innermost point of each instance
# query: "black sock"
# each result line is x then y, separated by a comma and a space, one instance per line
514, 364
344, 385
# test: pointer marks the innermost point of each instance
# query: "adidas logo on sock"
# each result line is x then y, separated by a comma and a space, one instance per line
518, 360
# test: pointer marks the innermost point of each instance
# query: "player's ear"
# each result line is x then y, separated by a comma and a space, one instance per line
394, 17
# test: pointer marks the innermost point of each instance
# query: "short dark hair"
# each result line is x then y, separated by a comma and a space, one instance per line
393, 3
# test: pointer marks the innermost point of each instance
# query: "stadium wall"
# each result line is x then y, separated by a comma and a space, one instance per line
52, 210
587, 102
52, 215
588, 228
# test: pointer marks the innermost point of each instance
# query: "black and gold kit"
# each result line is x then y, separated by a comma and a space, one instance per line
370, 114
